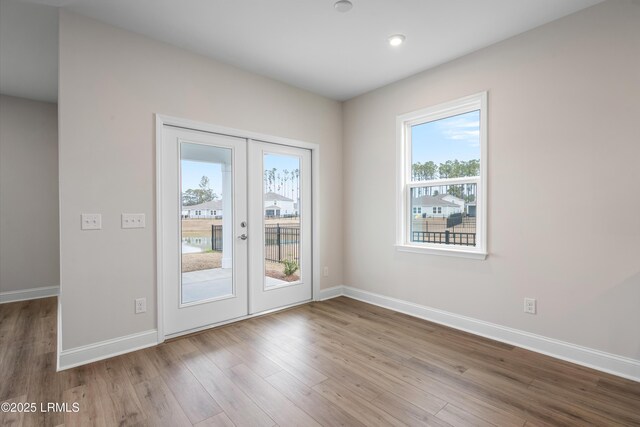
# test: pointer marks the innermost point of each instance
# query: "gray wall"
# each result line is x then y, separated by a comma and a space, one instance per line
564, 147
111, 84
29, 244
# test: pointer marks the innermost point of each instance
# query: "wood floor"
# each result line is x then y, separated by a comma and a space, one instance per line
339, 362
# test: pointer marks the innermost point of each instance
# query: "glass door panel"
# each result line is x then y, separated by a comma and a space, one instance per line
281, 176
205, 171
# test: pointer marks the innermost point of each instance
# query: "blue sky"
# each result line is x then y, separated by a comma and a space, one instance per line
456, 137
281, 162
193, 171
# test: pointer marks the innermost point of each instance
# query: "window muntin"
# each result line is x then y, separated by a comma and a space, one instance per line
442, 174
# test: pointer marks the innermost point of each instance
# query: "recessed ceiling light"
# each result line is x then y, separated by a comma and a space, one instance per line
343, 5
396, 39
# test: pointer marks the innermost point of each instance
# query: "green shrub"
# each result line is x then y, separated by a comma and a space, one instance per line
290, 267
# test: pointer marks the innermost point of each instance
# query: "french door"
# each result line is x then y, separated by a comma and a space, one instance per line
235, 228
279, 213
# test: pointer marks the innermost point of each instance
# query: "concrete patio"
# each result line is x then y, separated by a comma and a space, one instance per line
212, 283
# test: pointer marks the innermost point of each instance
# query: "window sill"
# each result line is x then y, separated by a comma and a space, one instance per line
452, 252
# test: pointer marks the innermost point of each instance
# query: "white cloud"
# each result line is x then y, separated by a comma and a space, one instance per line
462, 129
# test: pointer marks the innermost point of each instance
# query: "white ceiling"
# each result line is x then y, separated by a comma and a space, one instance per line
29, 50
306, 43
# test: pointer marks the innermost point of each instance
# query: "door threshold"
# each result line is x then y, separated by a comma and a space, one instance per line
195, 331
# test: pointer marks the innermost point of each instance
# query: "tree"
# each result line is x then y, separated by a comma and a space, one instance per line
286, 183
286, 180
272, 179
456, 190
196, 196
189, 198
206, 191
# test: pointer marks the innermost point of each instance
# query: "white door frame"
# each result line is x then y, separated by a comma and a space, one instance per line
162, 120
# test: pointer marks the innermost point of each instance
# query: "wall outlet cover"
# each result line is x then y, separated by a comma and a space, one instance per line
141, 305
530, 305
91, 221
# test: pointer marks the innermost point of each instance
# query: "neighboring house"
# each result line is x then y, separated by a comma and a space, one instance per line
453, 199
471, 209
208, 210
276, 205
272, 211
441, 205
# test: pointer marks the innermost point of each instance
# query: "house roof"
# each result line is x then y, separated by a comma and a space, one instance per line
217, 204
433, 201
275, 197
450, 196
214, 205
273, 207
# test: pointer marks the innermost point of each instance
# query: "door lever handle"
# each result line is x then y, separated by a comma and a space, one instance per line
242, 237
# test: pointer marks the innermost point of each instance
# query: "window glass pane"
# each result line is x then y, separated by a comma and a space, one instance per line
206, 222
449, 214
281, 219
446, 148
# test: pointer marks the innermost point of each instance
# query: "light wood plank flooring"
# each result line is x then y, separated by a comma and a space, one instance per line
339, 362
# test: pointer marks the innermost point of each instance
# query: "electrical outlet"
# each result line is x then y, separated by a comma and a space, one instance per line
91, 221
133, 220
141, 305
530, 305
325, 271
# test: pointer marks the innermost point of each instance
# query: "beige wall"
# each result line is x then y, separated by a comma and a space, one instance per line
564, 209
563, 147
29, 244
111, 84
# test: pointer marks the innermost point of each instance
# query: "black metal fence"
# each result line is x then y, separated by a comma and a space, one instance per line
216, 237
469, 221
281, 242
454, 219
447, 237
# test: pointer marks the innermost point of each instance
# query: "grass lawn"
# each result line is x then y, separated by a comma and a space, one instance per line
204, 225
208, 260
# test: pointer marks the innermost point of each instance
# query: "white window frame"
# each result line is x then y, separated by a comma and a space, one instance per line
404, 184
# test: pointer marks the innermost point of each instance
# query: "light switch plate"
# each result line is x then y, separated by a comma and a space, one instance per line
133, 220
91, 221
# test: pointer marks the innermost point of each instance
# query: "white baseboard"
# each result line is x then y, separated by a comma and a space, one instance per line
27, 294
329, 293
105, 349
617, 365
117, 346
